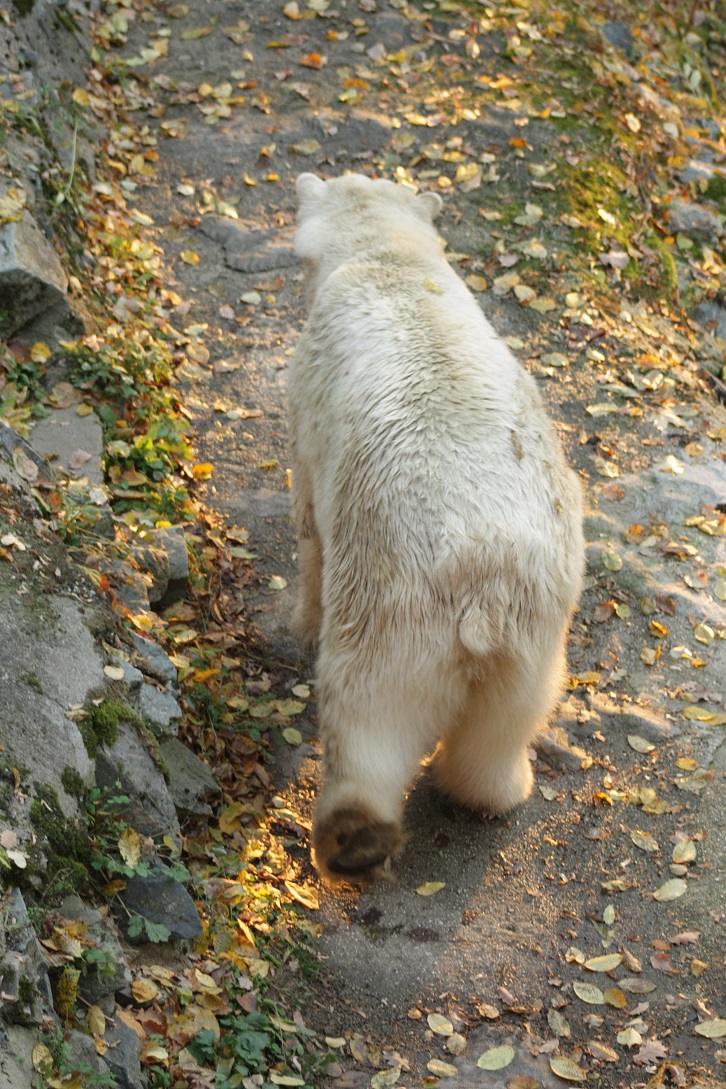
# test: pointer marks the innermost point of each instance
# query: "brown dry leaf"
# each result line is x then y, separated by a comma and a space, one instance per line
567, 1068
651, 1051
614, 997
522, 1081
602, 1051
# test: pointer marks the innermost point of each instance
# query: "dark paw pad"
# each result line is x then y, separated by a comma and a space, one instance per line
351, 845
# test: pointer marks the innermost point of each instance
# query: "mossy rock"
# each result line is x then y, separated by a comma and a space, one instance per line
64, 842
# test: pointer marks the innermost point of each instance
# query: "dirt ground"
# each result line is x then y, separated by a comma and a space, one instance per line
587, 867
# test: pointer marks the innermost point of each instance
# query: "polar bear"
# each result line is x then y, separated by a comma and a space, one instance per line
439, 527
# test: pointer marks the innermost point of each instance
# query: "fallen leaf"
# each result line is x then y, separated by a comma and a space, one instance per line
671, 890
430, 888
567, 1069
496, 1058
589, 993
712, 1030
189, 257
605, 963
440, 1024
442, 1069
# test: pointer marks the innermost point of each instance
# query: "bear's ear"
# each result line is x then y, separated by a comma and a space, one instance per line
310, 188
428, 206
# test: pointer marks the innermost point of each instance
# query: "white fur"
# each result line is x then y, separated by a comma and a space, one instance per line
439, 526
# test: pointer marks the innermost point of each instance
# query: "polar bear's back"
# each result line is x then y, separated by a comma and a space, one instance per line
438, 472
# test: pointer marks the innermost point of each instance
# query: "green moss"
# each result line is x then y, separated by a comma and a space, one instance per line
73, 783
65, 842
33, 681
669, 269
716, 190
101, 725
26, 992
152, 744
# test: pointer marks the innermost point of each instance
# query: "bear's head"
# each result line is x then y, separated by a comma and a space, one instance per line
354, 217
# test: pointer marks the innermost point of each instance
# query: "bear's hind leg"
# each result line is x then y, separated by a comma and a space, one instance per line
377, 725
482, 762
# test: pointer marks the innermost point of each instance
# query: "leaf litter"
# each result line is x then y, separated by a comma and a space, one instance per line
232, 734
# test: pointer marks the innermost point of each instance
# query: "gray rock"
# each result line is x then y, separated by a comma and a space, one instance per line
133, 677
16, 1056
31, 274
24, 982
128, 761
618, 34
11, 443
712, 317
158, 663
696, 170
190, 780
160, 710
172, 541
251, 251
49, 662
82, 1056
65, 438
694, 220
109, 974
123, 1057
161, 900
154, 562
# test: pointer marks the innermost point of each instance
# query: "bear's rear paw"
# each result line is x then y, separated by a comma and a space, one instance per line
351, 845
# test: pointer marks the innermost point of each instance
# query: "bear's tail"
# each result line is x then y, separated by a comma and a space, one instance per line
475, 631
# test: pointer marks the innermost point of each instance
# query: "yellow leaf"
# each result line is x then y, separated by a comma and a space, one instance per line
229, 820
440, 1024
290, 707
615, 997
567, 1069
304, 895
712, 1030
588, 992
129, 845
144, 990
42, 1059
386, 1078
442, 1069
702, 633
40, 352
292, 736
671, 890
189, 257
80, 97
496, 1058
195, 32
430, 888
202, 471
96, 1020
605, 963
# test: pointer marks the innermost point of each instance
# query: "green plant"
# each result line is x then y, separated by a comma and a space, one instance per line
155, 932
